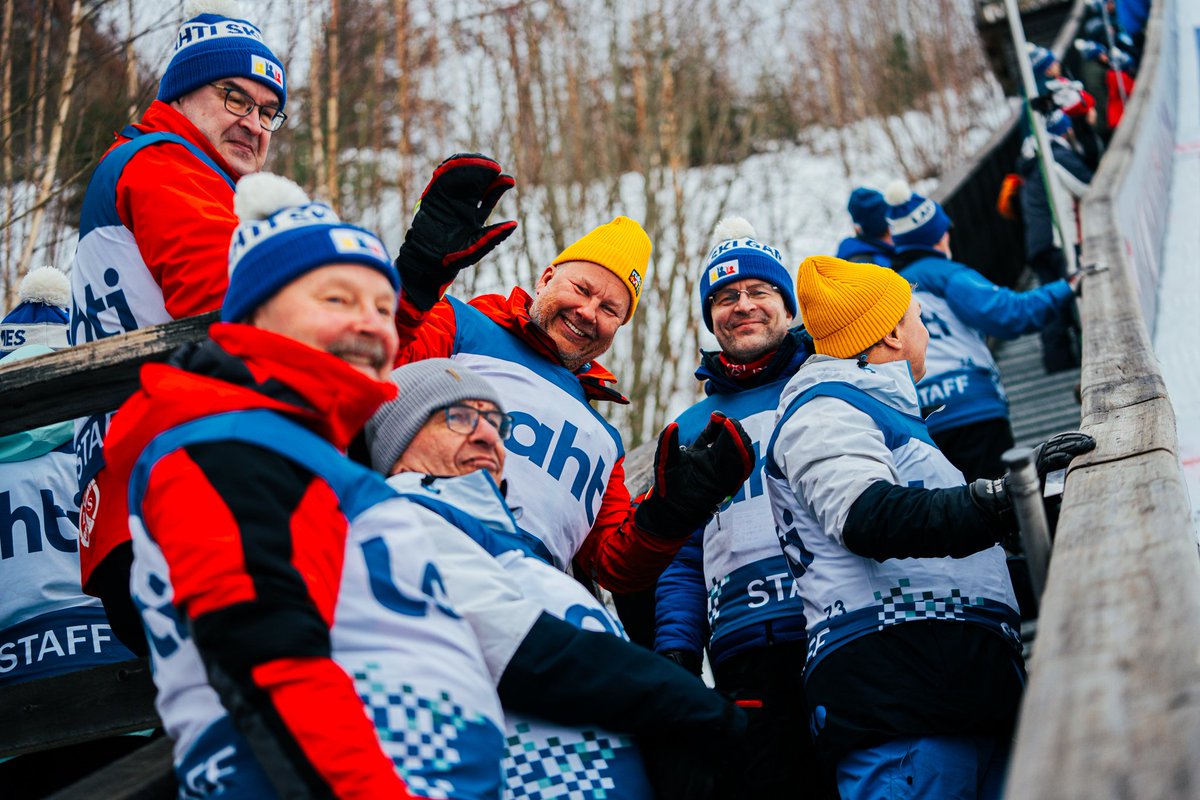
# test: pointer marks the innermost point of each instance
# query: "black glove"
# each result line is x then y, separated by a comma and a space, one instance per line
684, 658
1057, 451
1043, 103
689, 483
684, 766
448, 231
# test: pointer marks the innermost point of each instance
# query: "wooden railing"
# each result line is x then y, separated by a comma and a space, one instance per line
1113, 704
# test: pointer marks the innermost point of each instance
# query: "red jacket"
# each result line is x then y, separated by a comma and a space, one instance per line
181, 214
254, 544
615, 552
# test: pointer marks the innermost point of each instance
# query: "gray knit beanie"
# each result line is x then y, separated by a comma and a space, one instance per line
425, 386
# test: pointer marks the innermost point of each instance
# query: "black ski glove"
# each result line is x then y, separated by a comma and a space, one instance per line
690, 482
1056, 452
448, 231
690, 661
993, 497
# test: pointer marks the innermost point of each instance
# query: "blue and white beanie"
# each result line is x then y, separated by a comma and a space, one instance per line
914, 221
41, 315
1040, 58
284, 235
217, 43
737, 256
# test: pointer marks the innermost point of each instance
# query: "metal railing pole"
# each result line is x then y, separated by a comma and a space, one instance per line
1026, 492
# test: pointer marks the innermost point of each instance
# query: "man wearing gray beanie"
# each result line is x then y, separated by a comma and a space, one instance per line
570, 683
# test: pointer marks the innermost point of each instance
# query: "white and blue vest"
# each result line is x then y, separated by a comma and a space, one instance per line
561, 452
415, 663
543, 759
840, 427
747, 576
112, 290
48, 626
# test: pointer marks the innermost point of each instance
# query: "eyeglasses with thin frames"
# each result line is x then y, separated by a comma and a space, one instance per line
241, 104
727, 298
464, 419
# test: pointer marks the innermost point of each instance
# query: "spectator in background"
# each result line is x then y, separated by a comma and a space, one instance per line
571, 686
1042, 253
154, 234
566, 463
961, 395
871, 243
1069, 95
728, 591
48, 626
1109, 76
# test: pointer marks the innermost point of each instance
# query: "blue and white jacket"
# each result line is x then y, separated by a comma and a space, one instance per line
842, 427
959, 308
734, 566
497, 580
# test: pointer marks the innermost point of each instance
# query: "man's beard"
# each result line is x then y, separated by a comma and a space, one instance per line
357, 346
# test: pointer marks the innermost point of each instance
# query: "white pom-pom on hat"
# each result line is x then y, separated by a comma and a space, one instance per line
261, 194
897, 192
222, 8
45, 285
733, 228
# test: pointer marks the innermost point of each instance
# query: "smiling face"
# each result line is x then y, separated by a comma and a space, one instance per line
581, 305
749, 329
241, 141
437, 450
343, 309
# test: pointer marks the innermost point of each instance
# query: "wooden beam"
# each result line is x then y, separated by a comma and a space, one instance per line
90, 378
1112, 708
145, 774
77, 707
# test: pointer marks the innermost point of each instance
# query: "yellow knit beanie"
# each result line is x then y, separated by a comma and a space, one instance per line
621, 247
848, 307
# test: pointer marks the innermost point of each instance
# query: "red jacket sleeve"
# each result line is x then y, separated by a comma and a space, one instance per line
424, 334
254, 546
618, 554
182, 225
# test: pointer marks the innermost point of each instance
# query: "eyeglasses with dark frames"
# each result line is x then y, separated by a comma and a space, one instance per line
241, 104
727, 298
464, 419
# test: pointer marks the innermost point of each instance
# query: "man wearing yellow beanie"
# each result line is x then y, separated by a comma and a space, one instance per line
914, 667
566, 463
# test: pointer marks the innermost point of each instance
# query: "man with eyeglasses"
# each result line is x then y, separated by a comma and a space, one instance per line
573, 688
729, 591
156, 223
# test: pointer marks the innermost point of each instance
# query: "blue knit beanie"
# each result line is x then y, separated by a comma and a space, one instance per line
868, 209
1040, 58
735, 257
914, 221
216, 43
40, 316
283, 236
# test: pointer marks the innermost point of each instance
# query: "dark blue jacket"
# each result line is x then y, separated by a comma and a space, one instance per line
866, 251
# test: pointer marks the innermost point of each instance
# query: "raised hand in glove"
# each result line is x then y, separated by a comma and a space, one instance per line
690, 482
448, 231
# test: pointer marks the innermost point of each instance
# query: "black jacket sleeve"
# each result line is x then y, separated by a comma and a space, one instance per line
889, 521
576, 677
